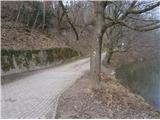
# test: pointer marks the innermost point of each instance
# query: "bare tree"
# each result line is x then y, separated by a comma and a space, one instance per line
103, 22
109, 14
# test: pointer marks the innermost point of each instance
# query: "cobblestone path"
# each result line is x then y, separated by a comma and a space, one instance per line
35, 96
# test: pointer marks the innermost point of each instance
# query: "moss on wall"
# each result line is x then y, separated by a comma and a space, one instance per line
10, 59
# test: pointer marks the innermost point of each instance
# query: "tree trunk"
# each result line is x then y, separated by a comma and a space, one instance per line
107, 58
19, 12
95, 66
44, 15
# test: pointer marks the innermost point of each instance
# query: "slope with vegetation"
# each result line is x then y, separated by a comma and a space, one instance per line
25, 41
22, 27
89, 28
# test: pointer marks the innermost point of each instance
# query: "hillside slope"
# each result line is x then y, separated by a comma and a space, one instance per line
18, 36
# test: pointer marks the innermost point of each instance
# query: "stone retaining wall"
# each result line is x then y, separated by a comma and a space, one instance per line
16, 61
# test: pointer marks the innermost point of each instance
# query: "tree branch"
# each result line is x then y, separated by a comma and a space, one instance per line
106, 26
148, 8
127, 11
144, 20
141, 29
68, 19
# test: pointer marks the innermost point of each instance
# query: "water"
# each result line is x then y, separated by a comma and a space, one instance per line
143, 78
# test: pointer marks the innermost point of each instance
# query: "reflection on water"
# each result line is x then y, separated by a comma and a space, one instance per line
143, 78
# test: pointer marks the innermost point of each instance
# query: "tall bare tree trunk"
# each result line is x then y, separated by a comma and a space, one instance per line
19, 12
44, 14
95, 64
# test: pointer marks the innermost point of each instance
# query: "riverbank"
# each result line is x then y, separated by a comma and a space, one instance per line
112, 101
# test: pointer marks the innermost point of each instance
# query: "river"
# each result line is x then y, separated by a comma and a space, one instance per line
142, 78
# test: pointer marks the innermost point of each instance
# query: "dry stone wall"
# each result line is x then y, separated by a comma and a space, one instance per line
16, 61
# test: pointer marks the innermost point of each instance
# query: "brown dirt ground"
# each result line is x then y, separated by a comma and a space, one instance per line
112, 101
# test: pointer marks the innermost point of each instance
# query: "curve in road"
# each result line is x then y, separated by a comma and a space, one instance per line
35, 96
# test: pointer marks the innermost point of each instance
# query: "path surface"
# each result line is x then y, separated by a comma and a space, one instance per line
35, 96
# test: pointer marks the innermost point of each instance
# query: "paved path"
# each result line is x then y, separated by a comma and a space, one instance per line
35, 96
